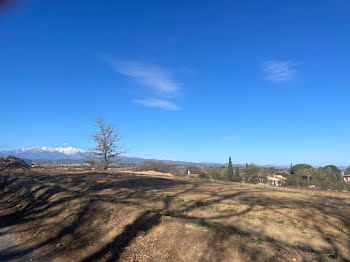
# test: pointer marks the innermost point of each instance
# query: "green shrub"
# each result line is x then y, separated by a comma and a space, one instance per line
332, 172
347, 171
297, 168
250, 173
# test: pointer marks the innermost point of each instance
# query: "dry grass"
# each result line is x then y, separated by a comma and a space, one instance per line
92, 216
147, 173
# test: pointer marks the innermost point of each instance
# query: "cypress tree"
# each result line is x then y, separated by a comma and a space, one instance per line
230, 170
237, 177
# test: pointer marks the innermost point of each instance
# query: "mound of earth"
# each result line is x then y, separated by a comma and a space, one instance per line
11, 162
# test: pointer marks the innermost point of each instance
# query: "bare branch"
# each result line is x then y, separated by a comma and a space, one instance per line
107, 149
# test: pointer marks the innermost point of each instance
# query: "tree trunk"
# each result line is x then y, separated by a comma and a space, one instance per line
105, 162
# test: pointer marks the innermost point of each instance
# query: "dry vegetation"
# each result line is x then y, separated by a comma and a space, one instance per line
95, 216
177, 170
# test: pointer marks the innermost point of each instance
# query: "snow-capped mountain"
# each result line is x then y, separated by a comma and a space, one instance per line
69, 150
46, 152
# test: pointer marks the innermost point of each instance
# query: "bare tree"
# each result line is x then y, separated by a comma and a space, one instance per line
107, 142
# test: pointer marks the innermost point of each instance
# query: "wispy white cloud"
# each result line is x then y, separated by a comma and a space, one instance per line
153, 76
279, 71
159, 103
160, 82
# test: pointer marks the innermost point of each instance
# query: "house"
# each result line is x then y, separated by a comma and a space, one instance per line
346, 178
276, 180
261, 178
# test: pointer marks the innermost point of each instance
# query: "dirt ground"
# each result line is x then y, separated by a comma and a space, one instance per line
105, 216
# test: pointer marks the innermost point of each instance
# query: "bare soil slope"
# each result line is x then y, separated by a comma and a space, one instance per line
11, 162
92, 216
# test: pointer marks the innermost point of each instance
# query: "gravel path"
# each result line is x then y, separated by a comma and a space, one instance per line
10, 249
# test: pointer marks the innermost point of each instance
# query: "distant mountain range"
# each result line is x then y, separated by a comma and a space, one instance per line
71, 155
47, 152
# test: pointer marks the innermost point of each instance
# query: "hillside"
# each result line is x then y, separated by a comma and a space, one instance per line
11, 162
93, 216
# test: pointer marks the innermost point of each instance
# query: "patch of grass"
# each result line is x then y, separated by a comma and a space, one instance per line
292, 223
302, 228
219, 227
306, 249
271, 240
180, 201
83, 201
229, 210
251, 216
257, 241
329, 235
263, 218
205, 207
216, 226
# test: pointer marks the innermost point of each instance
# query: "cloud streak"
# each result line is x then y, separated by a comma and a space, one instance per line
158, 103
153, 76
159, 81
279, 71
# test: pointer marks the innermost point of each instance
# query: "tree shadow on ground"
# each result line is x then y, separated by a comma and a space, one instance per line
113, 250
29, 198
33, 197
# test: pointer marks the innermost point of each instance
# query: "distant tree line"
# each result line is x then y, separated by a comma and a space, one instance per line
229, 173
301, 175
250, 173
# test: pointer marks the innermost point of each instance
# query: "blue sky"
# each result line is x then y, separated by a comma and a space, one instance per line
262, 81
